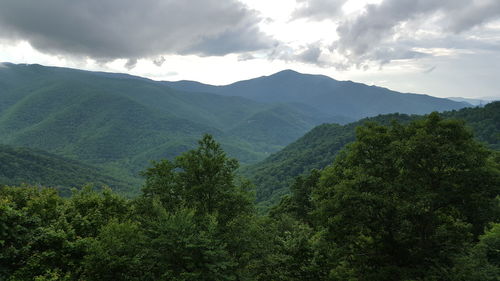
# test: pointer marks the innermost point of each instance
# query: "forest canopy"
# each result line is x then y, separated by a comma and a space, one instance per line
416, 201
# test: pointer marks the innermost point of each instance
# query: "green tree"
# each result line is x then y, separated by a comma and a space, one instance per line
482, 262
202, 179
402, 201
299, 203
184, 245
116, 253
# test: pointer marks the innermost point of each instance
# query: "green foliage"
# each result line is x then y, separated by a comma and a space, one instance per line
482, 262
485, 122
319, 147
116, 253
315, 150
402, 201
406, 202
35, 167
120, 122
299, 203
184, 245
202, 179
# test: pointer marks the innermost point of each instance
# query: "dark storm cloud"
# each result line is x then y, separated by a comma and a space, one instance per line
109, 29
365, 36
318, 9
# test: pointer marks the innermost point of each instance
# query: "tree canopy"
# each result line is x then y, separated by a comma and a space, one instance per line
416, 201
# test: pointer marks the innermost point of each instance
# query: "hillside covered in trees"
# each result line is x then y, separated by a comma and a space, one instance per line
120, 122
408, 201
20, 165
319, 147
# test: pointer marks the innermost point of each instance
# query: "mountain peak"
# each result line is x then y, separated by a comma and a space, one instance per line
286, 72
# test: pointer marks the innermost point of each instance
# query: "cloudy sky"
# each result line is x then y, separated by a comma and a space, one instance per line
439, 47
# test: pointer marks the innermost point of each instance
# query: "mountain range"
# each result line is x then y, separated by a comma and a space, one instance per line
345, 99
119, 122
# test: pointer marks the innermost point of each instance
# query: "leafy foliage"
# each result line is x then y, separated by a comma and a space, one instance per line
402, 201
120, 122
28, 166
407, 202
319, 147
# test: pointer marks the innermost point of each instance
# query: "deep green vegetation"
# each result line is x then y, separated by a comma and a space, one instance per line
415, 201
121, 122
319, 147
34, 167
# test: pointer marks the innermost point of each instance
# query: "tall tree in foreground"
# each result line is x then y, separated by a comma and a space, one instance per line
211, 213
402, 202
202, 179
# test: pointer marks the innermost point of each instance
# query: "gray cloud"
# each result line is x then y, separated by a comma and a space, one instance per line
380, 28
159, 61
318, 9
311, 54
246, 56
131, 63
109, 29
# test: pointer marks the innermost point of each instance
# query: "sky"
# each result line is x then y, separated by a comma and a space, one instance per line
444, 48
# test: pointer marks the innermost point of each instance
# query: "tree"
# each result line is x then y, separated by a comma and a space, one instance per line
202, 179
402, 201
482, 262
202, 183
299, 203
116, 253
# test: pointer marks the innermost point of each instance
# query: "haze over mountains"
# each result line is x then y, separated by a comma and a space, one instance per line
120, 122
329, 96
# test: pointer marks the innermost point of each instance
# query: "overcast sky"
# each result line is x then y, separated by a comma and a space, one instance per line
438, 47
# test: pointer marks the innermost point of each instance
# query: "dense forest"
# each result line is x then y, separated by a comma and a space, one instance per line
414, 200
319, 147
21, 165
118, 122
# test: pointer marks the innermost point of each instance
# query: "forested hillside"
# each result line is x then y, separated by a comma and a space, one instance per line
319, 147
120, 122
416, 201
34, 167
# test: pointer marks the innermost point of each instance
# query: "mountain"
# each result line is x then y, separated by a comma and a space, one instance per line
474, 102
121, 122
329, 96
318, 148
19, 165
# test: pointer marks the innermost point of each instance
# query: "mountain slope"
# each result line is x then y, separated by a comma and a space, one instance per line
20, 165
332, 97
319, 147
121, 122
33, 92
